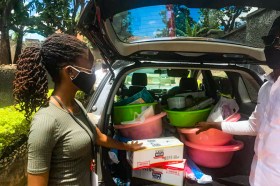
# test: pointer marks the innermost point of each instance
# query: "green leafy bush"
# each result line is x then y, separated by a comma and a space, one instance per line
13, 127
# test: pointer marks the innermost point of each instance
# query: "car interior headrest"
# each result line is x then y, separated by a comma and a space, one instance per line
188, 84
139, 79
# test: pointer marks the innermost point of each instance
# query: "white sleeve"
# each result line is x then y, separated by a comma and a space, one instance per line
239, 128
249, 127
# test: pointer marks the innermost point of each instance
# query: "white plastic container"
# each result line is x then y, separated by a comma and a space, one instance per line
178, 102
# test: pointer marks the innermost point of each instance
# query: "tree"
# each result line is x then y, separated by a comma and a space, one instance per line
182, 16
6, 6
163, 32
21, 22
192, 30
209, 19
57, 15
228, 17
122, 25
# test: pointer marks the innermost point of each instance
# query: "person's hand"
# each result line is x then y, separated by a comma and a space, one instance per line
92, 166
204, 126
134, 146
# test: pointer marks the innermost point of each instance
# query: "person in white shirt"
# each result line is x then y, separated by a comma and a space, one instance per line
264, 123
100, 74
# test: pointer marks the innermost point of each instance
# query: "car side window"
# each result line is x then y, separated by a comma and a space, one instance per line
223, 83
252, 90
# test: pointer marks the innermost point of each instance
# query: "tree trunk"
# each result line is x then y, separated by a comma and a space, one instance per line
5, 50
5, 42
19, 45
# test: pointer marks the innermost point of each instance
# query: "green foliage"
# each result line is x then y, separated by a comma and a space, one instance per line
57, 15
192, 30
182, 16
13, 127
227, 17
82, 97
122, 25
163, 32
209, 19
225, 20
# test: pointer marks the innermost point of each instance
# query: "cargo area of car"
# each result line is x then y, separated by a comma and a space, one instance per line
234, 174
237, 171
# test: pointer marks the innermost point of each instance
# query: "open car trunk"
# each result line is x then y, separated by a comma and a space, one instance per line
200, 55
236, 173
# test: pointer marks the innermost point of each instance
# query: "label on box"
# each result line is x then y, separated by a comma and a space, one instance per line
173, 175
158, 152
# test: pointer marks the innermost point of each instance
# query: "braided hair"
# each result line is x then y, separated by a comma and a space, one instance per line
31, 83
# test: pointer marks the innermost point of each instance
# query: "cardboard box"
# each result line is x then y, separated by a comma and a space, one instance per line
158, 152
172, 174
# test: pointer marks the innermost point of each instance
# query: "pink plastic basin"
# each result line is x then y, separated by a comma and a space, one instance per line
213, 156
150, 128
209, 137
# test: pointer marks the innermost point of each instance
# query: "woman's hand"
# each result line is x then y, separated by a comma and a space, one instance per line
106, 141
134, 146
204, 126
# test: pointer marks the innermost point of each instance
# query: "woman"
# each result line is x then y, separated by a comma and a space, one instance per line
61, 137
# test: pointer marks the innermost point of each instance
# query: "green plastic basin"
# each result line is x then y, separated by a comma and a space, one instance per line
187, 118
128, 112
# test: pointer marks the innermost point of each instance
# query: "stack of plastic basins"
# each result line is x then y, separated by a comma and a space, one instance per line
212, 148
149, 128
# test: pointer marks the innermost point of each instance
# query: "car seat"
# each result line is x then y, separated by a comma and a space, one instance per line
138, 82
188, 85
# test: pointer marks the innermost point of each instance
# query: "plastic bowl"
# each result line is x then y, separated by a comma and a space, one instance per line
127, 112
210, 137
213, 156
150, 128
187, 118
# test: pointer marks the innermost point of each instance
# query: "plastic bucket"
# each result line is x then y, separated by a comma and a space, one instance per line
150, 128
187, 118
127, 112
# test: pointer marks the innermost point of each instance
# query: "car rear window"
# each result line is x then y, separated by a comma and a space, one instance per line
177, 21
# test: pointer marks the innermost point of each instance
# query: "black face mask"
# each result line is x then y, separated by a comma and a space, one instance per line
272, 57
84, 81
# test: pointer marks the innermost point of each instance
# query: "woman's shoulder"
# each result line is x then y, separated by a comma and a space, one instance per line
44, 115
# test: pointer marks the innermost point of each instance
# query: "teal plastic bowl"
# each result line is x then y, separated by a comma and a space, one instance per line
128, 112
187, 118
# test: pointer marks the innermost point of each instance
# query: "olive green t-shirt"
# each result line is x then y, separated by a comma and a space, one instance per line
61, 146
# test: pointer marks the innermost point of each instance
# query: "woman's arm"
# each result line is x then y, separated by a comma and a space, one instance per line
38, 179
235, 128
106, 141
